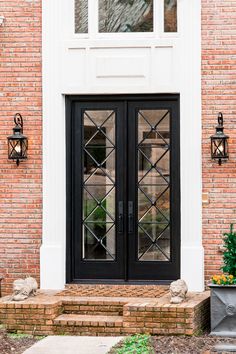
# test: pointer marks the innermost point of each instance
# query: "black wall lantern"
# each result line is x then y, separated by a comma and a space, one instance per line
219, 142
17, 143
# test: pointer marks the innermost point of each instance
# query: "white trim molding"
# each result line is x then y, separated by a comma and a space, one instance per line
76, 65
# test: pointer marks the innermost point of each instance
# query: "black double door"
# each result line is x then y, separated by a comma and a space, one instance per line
123, 188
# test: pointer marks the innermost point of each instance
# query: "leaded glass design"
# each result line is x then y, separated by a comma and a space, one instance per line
125, 16
99, 155
170, 16
153, 185
81, 16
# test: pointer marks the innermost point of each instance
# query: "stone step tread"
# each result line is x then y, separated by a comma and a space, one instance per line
89, 320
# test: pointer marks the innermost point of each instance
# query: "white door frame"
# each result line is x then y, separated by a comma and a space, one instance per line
73, 65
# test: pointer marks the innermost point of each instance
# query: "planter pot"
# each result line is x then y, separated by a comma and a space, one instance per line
223, 310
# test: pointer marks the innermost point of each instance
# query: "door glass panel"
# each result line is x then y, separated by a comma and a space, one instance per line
153, 185
99, 192
170, 16
81, 16
125, 16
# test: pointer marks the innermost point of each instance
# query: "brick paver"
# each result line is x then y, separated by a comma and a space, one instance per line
115, 290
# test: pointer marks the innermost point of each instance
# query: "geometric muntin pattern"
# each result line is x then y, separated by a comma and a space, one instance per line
99, 188
154, 220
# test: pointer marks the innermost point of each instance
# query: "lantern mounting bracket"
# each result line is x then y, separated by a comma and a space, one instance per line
220, 119
18, 121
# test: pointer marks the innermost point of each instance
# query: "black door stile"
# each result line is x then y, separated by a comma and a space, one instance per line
86, 228
154, 270
88, 268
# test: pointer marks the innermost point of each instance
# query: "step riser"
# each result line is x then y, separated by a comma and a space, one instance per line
88, 331
105, 310
102, 313
85, 324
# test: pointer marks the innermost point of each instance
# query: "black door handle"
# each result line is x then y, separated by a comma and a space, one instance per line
120, 217
130, 216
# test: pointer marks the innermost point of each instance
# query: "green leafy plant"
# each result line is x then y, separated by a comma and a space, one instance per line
229, 258
229, 255
19, 335
137, 344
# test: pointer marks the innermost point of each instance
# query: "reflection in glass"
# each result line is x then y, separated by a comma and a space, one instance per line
170, 16
81, 16
99, 193
125, 16
154, 185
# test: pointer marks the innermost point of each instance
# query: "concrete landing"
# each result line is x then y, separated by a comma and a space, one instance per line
225, 348
73, 345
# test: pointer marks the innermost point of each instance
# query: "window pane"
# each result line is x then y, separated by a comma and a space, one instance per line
81, 16
170, 16
125, 15
99, 186
153, 185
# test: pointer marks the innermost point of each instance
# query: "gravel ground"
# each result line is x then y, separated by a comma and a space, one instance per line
162, 344
16, 344
189, 345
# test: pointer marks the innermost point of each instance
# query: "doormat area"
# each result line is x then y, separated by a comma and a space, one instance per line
153, 291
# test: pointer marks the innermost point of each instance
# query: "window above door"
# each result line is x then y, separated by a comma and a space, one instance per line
119, 18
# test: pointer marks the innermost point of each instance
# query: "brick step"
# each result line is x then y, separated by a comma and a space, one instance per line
93, 307
88, 324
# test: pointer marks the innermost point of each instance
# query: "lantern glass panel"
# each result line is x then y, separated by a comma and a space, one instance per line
17, 148
218, 148
226, 147
24, 148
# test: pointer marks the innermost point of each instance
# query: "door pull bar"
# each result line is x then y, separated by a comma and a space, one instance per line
130, 216
120, 217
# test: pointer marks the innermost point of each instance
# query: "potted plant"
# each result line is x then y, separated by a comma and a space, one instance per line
223, 291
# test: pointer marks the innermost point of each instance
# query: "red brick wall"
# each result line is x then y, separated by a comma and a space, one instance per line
218, 94
20, 187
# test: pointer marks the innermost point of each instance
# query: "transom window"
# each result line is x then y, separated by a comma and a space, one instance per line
119, 16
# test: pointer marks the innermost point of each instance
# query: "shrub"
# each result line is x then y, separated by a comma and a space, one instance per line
229, 255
